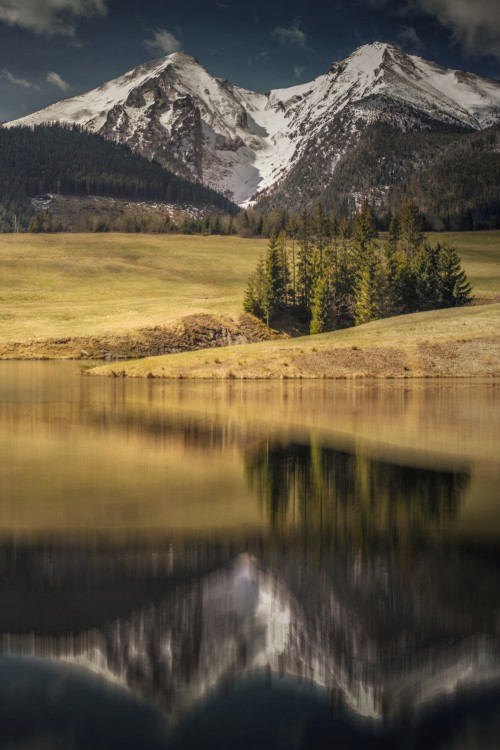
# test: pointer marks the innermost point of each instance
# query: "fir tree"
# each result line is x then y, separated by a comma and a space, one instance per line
254, 299
321, 312
342, 287
410, 229
364, 230
285, 268
394, 231
454, 288
275, 286
304, 263
368, 297
427, 278
399, 287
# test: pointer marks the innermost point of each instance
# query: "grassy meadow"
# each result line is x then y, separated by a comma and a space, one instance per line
86, 284
55, 286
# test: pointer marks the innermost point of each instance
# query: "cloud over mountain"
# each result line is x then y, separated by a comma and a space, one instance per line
163, 42
50, 17
474, 23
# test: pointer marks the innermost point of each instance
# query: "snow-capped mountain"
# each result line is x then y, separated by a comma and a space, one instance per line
244, 143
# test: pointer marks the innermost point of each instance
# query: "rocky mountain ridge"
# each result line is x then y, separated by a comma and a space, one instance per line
251, 145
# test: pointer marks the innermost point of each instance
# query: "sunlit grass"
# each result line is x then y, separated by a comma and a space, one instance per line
65, 285
454, 342
74, 284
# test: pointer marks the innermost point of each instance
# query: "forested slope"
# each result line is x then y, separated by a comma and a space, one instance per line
70, 161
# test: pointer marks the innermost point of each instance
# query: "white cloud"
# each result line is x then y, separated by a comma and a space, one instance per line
56, 80
298, 70
23, 82
260, 58
50, 17
475, 24
409, 39
164, 42
291, 35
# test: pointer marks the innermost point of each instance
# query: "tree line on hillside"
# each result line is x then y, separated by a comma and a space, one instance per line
460, 189
330, 275
68, 160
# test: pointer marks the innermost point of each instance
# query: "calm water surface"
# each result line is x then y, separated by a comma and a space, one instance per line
282, 564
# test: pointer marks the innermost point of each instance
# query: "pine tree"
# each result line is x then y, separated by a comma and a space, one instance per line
321, 231
454, 288
362, 251
292, 232
364, 231
321, 312
394, 231
275, 287
285, 268
304, 264
344, 289
399, 288
410, 229
427, 278
368, 297
254, 299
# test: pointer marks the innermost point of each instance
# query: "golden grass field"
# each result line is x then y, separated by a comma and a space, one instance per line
57, 286
88, 284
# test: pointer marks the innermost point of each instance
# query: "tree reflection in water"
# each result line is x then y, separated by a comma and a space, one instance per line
351, 497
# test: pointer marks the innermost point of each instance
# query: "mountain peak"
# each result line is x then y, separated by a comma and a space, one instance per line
364, 49
374, 49
181, 58
243, 143
366, 58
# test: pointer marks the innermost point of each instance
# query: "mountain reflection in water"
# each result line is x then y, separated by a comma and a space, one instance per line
344, 611
385, 638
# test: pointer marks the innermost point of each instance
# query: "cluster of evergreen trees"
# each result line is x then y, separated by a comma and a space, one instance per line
67, 160
333, 274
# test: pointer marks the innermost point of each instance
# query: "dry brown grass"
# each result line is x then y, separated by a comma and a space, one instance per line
460, 342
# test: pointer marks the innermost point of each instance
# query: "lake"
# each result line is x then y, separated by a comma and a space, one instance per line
248, 564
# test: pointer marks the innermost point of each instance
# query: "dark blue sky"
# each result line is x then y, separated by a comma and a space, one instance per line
50, 49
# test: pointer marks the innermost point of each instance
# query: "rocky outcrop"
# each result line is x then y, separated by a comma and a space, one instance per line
193, 332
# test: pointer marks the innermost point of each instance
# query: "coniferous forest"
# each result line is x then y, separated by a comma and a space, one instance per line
328, 274
70, 161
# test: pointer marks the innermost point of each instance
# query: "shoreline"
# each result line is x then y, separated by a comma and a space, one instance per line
460, 342
450, 343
